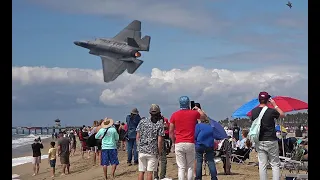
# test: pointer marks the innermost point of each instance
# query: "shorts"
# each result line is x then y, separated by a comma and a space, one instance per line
84, 145
36, 160
64, 159
53, 163
148, 162
94, 149
99, 146
109, 157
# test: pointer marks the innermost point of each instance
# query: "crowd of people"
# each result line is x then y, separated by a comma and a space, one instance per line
147, 140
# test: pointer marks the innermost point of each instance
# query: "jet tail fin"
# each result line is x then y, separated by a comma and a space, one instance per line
144, 43
133, 65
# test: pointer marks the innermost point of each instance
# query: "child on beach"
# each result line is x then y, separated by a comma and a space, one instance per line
52, 155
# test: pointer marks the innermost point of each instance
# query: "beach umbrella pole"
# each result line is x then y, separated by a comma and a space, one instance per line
281, 122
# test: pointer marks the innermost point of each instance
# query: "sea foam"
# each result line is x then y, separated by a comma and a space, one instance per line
24, 160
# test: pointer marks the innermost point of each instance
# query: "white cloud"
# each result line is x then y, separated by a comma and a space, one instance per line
219, 90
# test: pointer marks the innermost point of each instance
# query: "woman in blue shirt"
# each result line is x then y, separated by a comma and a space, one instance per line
204, 143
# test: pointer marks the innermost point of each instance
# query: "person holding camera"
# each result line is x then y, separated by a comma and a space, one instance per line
184, 122
267, 146
150, 134
36, 154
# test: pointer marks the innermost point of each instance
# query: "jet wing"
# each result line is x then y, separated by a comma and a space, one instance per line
133, 30
112, 67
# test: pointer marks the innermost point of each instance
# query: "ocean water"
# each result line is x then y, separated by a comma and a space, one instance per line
21, 145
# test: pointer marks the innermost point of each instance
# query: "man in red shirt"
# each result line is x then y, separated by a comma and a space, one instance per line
183, 122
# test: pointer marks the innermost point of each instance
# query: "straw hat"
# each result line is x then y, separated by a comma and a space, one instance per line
107, 122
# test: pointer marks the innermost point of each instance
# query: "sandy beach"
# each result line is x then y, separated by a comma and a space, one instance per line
83, 169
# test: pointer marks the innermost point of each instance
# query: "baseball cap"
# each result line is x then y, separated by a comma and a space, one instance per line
184, 102
154, 109
264, 95
135, 111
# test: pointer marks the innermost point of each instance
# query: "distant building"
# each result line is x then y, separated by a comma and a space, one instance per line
57, 123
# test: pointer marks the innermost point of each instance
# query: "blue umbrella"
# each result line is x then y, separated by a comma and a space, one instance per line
218, 131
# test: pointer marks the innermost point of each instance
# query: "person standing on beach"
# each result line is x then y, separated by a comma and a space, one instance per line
122, 135
64, 153
73, 140
132, 121
267, 146
84, 137
150, 135
52, 157
163, 156
184, 122
109, 138
36, 154
204, 148
93, 132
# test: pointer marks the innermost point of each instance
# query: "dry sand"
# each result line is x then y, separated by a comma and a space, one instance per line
83, 169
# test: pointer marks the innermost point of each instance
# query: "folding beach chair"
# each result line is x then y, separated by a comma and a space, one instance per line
240, 155
295, 162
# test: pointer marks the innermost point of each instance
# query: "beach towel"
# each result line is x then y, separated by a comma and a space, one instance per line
255, 127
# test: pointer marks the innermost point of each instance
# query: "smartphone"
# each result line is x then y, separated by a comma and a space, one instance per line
198, 105
192, 104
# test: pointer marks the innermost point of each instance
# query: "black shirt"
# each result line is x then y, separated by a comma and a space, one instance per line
72, 137
268, 125
117, 127
236, 131
36, 149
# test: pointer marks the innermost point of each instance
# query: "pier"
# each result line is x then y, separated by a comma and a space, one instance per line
40, 130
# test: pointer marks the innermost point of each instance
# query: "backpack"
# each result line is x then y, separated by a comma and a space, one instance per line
255, 127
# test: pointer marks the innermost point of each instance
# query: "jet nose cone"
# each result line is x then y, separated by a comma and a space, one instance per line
77, 43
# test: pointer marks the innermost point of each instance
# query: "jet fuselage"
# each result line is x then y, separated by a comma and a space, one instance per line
101, 46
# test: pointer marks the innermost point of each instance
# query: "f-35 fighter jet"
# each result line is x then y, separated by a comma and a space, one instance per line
289, 4
119, 53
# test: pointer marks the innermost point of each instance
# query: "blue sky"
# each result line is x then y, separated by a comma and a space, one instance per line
239, 36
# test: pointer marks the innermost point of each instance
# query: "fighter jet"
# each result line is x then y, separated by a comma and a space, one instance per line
289, 4
119, 53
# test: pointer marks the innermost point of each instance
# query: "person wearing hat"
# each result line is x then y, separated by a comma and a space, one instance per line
267, 146
109, 138
184, 122
150, 135
132, 121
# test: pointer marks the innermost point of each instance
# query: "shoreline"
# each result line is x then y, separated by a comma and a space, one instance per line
28, 152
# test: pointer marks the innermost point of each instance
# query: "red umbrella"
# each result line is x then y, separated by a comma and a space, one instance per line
287, 104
